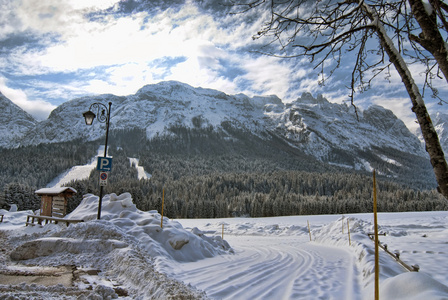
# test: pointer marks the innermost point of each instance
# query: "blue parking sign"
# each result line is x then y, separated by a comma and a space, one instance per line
104, 164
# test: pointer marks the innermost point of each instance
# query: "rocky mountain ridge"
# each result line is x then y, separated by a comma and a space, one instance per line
330, 132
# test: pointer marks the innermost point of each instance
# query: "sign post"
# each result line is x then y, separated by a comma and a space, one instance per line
104, 165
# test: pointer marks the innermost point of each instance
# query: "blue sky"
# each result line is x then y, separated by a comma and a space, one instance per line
52, 51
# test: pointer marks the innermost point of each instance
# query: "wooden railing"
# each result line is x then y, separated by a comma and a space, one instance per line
40, 219
396, 255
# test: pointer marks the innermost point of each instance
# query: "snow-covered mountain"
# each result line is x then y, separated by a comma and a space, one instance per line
330, 132
324, 129
14, 122
440, 121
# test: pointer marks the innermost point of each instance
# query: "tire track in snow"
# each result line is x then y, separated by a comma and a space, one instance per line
267, 267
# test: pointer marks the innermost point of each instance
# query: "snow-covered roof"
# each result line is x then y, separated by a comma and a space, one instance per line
55, 190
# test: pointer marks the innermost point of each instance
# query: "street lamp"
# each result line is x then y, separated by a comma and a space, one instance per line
103, 117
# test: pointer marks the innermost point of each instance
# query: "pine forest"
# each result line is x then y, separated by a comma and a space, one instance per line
202, 175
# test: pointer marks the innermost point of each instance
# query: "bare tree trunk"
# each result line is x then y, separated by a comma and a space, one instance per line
432, 142
431, 39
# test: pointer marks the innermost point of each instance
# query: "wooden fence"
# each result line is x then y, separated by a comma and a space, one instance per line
30, 219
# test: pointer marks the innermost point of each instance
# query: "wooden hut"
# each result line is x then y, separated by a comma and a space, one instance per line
54, 201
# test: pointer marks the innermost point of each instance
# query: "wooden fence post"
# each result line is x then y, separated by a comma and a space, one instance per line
309, 230
348, 229
375, 221
163, 202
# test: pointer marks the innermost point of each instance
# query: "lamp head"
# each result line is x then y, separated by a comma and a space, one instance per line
89, 116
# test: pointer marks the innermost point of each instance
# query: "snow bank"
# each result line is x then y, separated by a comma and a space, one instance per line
254, 228
144, 228
13, 218
395, 281
127, 244
412, 286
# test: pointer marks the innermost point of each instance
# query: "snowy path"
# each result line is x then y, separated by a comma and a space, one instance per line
270, 267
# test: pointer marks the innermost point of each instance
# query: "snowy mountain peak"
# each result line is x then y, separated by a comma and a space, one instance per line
14, 122
177, 90
262, 101
307, 98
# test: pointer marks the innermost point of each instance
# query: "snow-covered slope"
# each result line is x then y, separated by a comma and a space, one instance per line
14, 122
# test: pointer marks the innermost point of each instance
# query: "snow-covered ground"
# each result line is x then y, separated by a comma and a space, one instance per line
128, 255
276, 260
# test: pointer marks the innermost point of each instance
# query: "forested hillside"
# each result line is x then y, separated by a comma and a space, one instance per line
205, 175
25, 169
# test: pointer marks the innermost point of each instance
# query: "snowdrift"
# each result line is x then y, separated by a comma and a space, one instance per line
126, 244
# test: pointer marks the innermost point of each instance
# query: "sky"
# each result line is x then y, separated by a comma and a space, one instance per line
52, 51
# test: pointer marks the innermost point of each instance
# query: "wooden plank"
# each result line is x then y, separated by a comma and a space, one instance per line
45, 206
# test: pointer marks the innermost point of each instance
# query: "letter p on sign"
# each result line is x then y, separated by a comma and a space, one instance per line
104, 164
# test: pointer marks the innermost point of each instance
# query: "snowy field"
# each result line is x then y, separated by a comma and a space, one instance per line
128, 255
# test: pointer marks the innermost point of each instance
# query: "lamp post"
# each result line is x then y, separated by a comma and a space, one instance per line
103, 117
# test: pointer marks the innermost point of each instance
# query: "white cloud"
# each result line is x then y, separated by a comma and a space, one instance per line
270, 75
124, 53
122, 80
49, 15
39, 109
128, 44
120, 41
